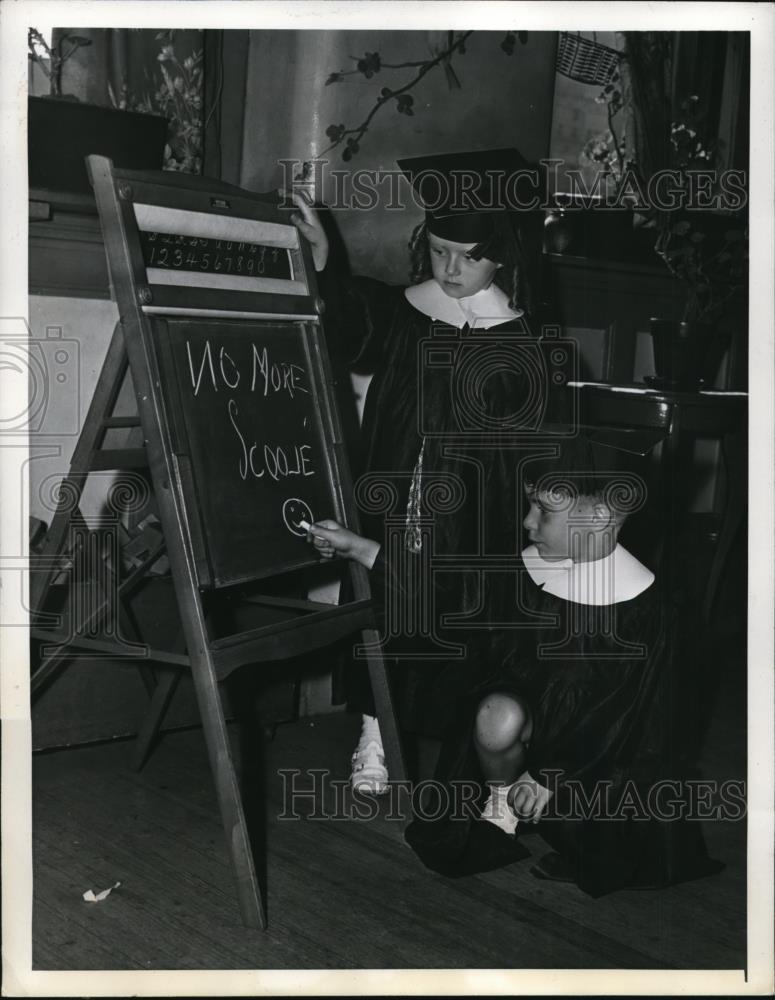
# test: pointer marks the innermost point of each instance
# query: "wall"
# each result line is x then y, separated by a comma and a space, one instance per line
502, 101
71, 338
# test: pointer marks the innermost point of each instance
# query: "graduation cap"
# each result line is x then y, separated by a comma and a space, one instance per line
596, 461
468, 197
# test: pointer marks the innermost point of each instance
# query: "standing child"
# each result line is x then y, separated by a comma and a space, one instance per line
574, 733
424, 427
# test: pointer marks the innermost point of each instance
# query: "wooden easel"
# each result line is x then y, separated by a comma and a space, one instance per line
293, 626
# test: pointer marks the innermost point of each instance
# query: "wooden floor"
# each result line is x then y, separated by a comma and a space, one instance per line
342, 893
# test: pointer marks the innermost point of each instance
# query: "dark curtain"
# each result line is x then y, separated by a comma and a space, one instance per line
666, 69
701, 80
225, 89
650, 59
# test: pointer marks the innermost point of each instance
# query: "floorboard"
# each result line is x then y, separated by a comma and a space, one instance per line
342, 893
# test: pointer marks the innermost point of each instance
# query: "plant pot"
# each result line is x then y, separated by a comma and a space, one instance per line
680, 352
61, 133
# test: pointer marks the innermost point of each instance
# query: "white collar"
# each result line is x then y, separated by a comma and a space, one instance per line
616, 578
486, 308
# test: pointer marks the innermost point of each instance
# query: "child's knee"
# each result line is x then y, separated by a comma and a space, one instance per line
501, 722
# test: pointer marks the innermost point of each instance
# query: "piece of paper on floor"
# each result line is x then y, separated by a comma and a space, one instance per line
90, 897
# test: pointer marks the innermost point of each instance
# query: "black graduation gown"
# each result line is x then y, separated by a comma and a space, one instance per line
605, 723
470, 460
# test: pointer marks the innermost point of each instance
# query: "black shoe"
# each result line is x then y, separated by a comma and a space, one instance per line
552, 868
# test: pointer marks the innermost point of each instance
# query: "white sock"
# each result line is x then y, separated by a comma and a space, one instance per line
497, 811
370, 731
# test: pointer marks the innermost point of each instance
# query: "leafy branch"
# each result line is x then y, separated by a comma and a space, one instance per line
614, 104
52, 59
714, 266
372, 63
609, 149
178, 97
709, 253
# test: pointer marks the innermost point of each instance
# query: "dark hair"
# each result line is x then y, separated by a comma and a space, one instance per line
581, 472
511, 278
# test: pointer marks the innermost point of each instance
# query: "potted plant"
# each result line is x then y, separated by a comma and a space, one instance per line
707, 250
62, 130
178, 97
703, 240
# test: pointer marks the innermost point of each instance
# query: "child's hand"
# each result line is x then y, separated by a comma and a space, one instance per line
528, 799
308, 224
330, 538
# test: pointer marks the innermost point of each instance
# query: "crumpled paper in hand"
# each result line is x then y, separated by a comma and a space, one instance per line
90, 897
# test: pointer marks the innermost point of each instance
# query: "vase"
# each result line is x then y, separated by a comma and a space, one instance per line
558, 232
680, 352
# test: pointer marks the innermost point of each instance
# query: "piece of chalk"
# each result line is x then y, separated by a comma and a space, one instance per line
305, 524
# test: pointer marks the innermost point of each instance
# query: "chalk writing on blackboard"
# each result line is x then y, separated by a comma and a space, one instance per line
174, 252
295, 513
265, 374
244, 402
260, 374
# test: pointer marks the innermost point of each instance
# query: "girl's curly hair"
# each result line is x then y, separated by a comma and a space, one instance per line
511, 277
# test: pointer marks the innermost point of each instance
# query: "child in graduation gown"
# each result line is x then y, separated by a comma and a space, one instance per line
442, 423
575, 733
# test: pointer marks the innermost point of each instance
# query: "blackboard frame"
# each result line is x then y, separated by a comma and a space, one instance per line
160, 303
134, 188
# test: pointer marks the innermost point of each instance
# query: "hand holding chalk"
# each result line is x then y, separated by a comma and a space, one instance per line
310, 529
320, 537
331, 538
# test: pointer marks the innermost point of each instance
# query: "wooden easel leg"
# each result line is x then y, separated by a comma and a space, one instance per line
166, 685
128, 630
383, 701
103, 400
49, 664
208, 694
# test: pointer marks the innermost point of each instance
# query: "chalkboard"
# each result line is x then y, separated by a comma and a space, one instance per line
247, 414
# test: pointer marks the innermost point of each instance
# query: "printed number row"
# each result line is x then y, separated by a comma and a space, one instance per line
162, 257
198, 241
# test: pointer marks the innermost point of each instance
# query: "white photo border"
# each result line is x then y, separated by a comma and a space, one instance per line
18, 977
